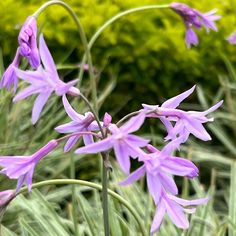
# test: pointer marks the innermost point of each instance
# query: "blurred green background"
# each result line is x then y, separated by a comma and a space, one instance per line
142, 58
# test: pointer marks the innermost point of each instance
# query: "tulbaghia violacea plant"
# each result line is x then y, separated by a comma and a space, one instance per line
159, 166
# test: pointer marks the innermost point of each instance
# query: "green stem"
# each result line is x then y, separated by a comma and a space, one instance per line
84, 42
109, 22
104, 172
91, 185
74, 201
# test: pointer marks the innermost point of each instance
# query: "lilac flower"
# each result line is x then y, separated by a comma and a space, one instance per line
232, 38
159, 171
124, 143
174, 207
186, 123
9, 77
78, 123
43, 81
22, 167
27, 42
191, 18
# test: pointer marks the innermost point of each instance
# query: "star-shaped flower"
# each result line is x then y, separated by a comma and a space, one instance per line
124, 143
43, 81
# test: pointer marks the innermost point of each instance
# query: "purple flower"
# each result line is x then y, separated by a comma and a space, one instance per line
28, 43
232, 38
191, 18
22, 167
174, 207
107, 120
186, 123
159, 170
43, 81
124, 143
9, 77
78, 123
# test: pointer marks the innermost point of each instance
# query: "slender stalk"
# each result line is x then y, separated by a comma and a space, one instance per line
105, 167
84, 42
91, 185
74, 201
109, 22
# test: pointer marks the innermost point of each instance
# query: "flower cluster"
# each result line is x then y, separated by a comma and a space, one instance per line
159, 166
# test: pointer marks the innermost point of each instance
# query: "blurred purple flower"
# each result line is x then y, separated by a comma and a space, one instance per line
9, 77
159, 170
22, 167
174, 207
28, 43
43, 81
78, 123
192, 17
232, 38
6, 196
186, 123
124, 143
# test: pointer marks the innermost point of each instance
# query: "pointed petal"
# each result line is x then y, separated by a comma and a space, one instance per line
122, 156
185, 202
97, 147
88, 139
133, 124
20, 183
30, 76
137, 141
71, 142
180, 167
168, 183
197, 129
176, 214
29, 177
158, 218
27, 92
46, 56
70, 127
154, 187
70, 111
134, 176
175, 101
38, 105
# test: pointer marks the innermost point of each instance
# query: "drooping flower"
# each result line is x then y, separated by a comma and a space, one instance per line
79, 123
27, 40
22, 167
192, 17
124, 143
186, 123
9, 77
43, 81
174, 207
159, 170
232, 38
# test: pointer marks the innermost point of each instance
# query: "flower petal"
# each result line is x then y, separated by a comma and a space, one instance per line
38, 105
97, 147
134, 176
158, 218
175, 101
122, 156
